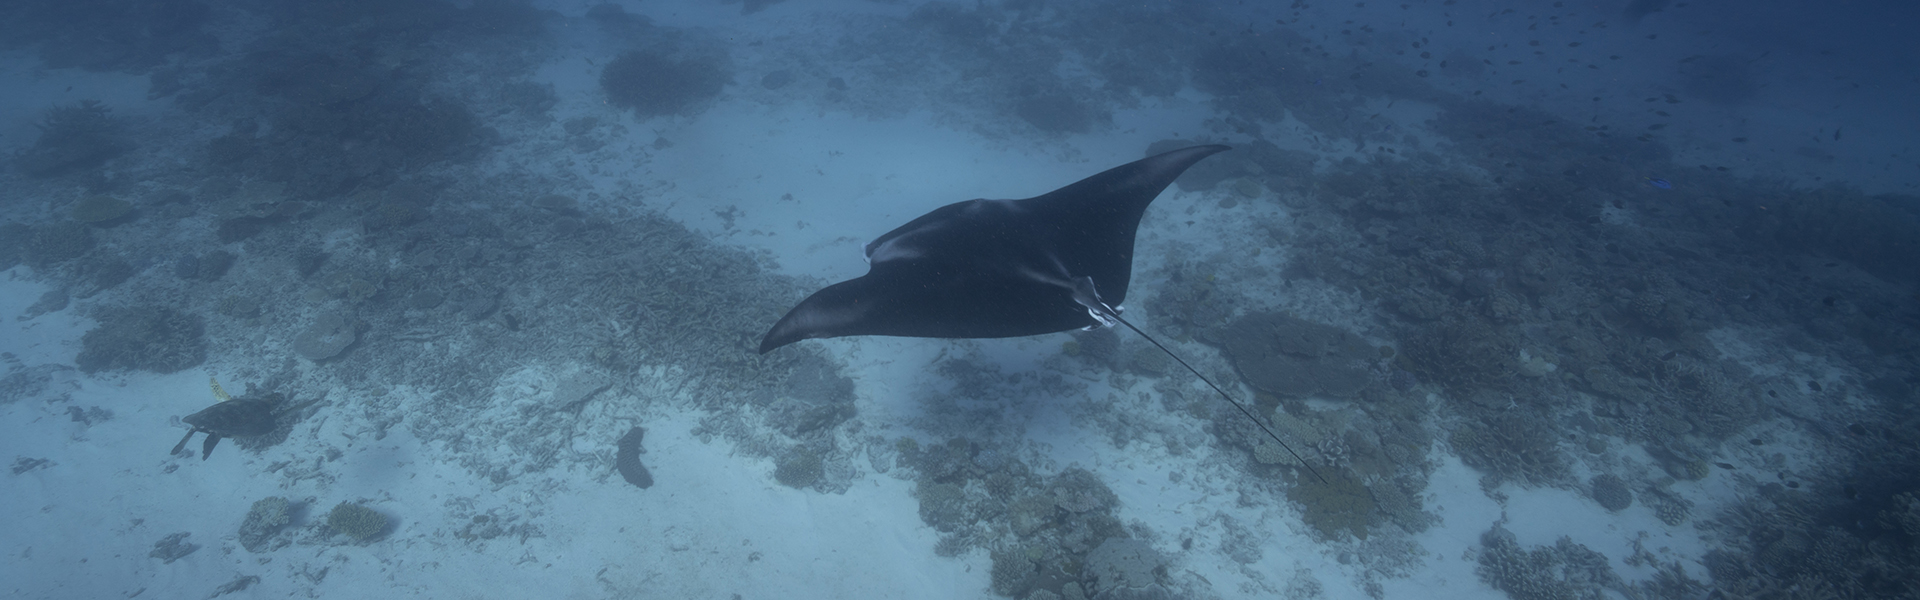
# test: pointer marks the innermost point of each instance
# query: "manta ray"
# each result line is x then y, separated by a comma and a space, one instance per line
1005, 268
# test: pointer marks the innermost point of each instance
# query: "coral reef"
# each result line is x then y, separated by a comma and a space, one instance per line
13, 239
1342, 504
1476, 254
1904, 515
1775, 547
149, 338
1565, 571
22, 383
1125, 568
173, 547
1058, 112
1076, 490
1192, 300
100, 210
800, 468
1291, 357
1873, 232
1463, 356
943, 506
1274, 76
74, 137
212, 266
238, 584
814, 399
1710, 401
1672, 513
338, 123
1511, 446
653, 83
1402, 506
57, 243
1012, 573
972, 495
1611, 492
1297, 433
329, 334
250, 208
99, 274
1251, 164
356, 521
264, 520
130, 36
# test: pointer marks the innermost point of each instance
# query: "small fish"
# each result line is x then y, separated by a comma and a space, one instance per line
1659, 183
1813, 385
1724, 466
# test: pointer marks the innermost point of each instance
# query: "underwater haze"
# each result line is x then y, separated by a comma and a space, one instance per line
466, 298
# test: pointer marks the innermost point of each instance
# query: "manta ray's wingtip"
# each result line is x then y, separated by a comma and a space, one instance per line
1204, 149
1178, 160
777, 337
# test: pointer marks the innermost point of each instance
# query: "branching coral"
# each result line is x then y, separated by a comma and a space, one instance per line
1611, 492
1512, 446
943, 506
74, 137
266, 518
1463, 356
801, 468
1707, 399
356, 521
1565, 571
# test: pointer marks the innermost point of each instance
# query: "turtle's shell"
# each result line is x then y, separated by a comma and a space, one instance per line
239, 417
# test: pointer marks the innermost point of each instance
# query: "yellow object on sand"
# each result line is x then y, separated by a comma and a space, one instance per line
217, 392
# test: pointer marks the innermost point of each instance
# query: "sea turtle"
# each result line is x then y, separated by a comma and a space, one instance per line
236, 417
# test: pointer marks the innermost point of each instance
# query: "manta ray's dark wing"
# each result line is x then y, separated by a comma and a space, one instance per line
995, 268
1005, 268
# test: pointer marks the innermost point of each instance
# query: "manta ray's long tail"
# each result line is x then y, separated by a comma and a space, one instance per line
1223, 394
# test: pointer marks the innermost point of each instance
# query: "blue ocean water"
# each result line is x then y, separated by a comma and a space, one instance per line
1550, 299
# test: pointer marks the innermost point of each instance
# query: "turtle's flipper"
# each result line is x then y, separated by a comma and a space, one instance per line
206, 450
183, 442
